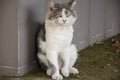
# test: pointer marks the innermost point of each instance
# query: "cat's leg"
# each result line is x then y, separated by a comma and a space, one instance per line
65, 62
49, 71
52, 57
43, 59
73, 58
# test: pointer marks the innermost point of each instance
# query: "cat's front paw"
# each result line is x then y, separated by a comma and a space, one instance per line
57, 77
65, 72
73, 70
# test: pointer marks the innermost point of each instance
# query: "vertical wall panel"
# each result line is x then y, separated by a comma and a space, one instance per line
109, 19
8, 37
82, 24
97, 20
109, 14
116, 16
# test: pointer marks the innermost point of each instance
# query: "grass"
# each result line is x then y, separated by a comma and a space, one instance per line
100, 61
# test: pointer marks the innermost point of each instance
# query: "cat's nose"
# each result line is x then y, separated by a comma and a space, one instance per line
64, 21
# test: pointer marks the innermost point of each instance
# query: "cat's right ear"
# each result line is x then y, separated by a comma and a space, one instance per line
51, 5
72, 4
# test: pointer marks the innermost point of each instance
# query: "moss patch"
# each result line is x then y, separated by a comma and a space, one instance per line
100, 61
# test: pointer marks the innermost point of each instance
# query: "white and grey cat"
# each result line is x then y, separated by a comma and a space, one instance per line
56, 50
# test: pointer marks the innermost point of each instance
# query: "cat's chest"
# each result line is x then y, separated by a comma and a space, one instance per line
59, 35
61, 32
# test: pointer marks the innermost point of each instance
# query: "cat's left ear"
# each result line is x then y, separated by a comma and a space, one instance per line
51, 4
72, 4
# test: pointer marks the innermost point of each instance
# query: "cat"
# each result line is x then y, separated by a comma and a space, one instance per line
56, 50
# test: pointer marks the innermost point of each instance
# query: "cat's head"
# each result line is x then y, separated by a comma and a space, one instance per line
62, 14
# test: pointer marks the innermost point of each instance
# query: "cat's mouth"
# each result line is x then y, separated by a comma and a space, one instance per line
63, 23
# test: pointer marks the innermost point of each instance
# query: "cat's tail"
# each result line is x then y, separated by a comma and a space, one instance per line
42, 59
41, 54
42, 46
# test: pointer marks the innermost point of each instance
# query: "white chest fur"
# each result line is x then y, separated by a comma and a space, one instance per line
57, 36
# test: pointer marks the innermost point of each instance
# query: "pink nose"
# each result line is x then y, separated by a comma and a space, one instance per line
64, 21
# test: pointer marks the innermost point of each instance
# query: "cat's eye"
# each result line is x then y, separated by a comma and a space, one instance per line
67, 15
60, 15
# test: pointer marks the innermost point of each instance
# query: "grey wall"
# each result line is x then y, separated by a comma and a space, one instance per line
97, 20
8, 37
19, 19
31, 13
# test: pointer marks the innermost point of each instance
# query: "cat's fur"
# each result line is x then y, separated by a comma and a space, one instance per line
56, 50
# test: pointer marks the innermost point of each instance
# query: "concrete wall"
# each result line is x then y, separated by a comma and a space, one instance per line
8, 37
19, 19
97, 20
31, 13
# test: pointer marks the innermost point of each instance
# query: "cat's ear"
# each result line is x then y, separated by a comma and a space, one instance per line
51, 5
72, 4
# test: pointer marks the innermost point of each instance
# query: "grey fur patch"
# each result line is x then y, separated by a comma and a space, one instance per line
39, 50
41, 36
42, 33
56, 13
